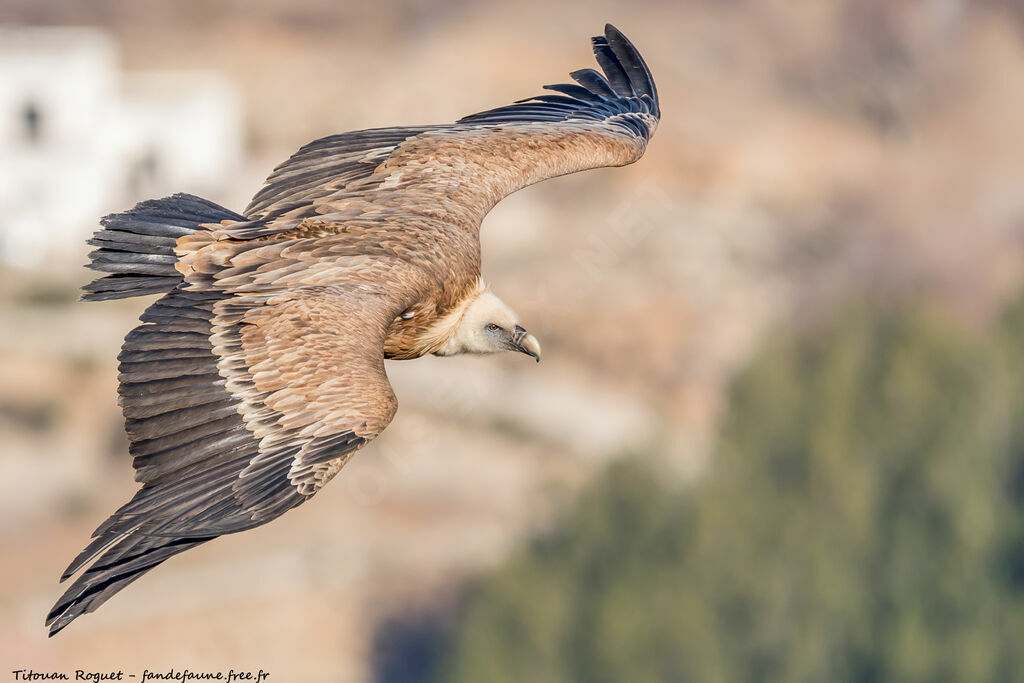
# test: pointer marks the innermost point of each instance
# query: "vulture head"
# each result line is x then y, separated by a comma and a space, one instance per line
488, 325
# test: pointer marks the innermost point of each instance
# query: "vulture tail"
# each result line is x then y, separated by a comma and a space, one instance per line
136, 247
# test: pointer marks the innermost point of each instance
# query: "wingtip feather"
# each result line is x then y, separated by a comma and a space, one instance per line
633, 62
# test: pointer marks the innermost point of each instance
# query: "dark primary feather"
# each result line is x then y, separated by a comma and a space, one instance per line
630, 60
621, 94
100, 583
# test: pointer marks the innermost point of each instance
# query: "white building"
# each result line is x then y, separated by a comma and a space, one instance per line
79, 139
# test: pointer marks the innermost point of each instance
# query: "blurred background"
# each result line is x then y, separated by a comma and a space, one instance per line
778, 433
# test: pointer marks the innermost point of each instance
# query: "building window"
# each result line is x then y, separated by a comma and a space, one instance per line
144, 174
31, 122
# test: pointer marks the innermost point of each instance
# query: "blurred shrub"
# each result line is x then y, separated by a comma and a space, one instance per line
863, 521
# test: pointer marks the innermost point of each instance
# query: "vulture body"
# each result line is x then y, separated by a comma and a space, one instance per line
260, 370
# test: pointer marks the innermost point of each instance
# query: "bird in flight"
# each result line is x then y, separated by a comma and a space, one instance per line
260, 371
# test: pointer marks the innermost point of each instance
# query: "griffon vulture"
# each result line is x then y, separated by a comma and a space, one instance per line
260, 371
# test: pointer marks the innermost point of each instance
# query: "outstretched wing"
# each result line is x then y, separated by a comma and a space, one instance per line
239, 407
459, 172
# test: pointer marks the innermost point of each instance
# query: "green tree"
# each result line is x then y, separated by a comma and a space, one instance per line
1009, 565
860, 522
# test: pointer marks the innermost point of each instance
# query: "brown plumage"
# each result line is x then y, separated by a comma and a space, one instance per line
260, 371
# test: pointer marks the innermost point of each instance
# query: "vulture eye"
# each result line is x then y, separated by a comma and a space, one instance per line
492, 327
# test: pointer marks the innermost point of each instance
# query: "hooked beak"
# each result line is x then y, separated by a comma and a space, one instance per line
525, 342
